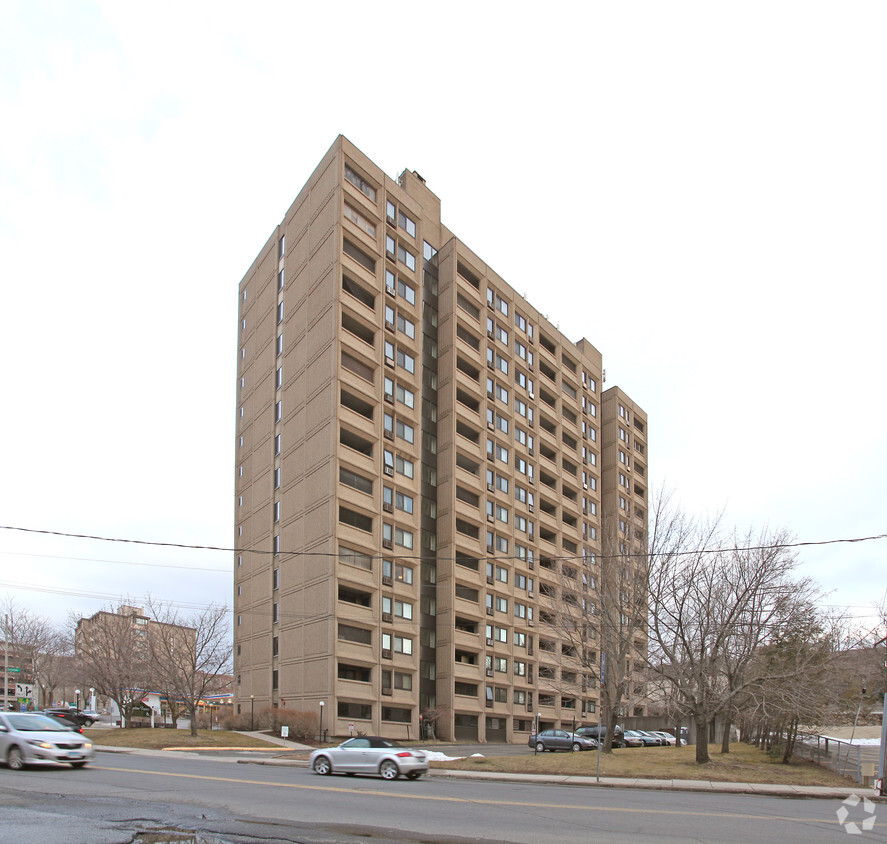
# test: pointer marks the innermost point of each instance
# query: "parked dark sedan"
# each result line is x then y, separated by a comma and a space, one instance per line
72, 716
599, 734
560, 740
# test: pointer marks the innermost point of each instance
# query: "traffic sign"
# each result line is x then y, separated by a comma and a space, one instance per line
13, 670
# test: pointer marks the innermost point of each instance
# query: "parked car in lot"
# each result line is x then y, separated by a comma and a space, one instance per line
560, 740
667, 738
632, 739
370, 755
599, 734
31, 738
73, 716
646, 739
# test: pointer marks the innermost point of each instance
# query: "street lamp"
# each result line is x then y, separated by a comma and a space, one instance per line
77, 695
91, 699
252, 700
320, 737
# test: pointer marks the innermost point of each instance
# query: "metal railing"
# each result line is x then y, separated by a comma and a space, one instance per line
842, 757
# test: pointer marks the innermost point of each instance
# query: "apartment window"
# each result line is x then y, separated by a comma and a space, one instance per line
355, 634
496, 480
523, 437
276, 511
281, 280
520, 670
405, 361
277, 478
279, 345
407, 292
400, 609
406, 224
276, 543
352, 479
405, 432
279, 312
360, 183
401, 537
275, 579
278, 378
359, 220
278, 411
405, 326
275, 612
405, 396
403, 502
281, 247
497, 331
398, 644
276, 444
406, 257
403, 466
397, 571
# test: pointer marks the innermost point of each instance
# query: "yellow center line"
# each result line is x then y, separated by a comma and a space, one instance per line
523, 804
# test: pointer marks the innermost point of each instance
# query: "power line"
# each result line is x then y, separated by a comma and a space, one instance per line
226, 570
419, 557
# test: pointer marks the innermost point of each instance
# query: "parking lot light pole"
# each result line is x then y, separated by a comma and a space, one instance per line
77, 696
320, 736
252, 700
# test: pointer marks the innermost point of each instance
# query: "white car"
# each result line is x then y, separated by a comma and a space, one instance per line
370, 755
28, 738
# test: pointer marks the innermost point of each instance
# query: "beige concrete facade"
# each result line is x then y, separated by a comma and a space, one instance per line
414, 441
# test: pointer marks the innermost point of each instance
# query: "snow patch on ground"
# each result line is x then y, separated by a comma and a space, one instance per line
437, 756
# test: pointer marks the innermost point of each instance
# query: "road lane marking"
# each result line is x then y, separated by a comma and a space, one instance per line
470, 800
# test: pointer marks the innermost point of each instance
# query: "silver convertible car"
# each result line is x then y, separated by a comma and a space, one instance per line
369, 755
27, 738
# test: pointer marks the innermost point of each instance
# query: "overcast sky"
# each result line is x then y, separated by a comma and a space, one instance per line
704, 182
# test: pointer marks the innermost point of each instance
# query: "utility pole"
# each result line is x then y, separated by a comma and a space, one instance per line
882, 762
6, 662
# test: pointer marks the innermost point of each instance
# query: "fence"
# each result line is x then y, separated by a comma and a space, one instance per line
842, 757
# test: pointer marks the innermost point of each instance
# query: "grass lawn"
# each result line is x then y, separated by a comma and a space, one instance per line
743, 763
144, 737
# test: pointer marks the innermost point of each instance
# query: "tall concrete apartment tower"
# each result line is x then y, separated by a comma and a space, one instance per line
421, 458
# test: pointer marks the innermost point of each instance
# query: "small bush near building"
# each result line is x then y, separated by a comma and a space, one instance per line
302, 725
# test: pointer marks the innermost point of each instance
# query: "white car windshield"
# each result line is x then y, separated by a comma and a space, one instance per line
35, 724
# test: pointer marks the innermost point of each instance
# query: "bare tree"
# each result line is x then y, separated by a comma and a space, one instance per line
36, 646
191, 653
598, 611
113, 655
715, 603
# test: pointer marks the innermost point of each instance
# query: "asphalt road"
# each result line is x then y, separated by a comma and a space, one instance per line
122, 798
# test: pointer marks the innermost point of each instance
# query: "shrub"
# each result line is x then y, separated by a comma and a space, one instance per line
301, 724
236, 722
